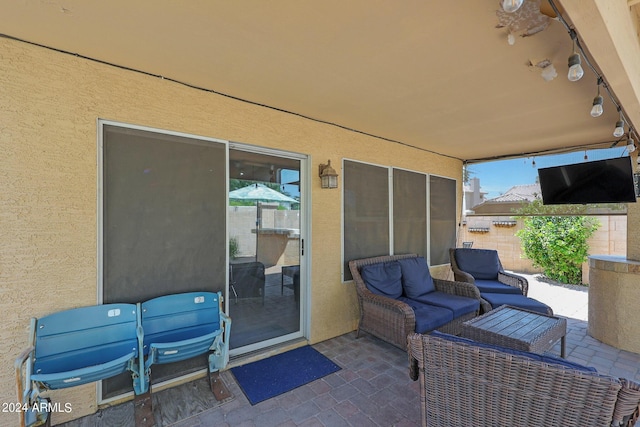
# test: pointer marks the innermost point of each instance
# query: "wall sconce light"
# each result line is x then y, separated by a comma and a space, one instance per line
328, 175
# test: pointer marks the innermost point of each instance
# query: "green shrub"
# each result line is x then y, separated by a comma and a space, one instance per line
557, 244
234, 248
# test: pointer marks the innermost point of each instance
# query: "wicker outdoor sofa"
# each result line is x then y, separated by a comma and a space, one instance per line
466, 383
393, 319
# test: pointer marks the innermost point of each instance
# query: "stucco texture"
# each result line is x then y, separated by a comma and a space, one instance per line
633, 237
614, 298
50, 103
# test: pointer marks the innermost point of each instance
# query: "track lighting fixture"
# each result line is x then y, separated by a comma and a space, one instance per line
619, 130
511, 6
575, 68
631, 146
575, 63
597, 110
576, 72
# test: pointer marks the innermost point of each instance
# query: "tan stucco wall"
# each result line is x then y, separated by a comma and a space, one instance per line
633, 237
614, 297
49, 106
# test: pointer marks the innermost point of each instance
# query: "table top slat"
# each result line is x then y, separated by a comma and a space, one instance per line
489, 322
528, 326
516, 328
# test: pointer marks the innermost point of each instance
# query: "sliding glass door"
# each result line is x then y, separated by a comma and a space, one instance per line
265, 247
180, 213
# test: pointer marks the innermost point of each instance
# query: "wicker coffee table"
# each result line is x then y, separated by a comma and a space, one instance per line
518, 329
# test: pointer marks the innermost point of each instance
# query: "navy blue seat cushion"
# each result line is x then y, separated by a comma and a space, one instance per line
493, 286
458, 304
534, 356
428, 317
416, 278
480, 263
496, 300
383, 279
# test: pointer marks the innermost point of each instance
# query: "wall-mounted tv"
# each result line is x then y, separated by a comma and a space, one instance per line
601, 181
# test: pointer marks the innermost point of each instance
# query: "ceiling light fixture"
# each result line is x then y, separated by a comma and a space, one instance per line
574, 61
575, 68
619, 130
511, 6
597, 110
631, 146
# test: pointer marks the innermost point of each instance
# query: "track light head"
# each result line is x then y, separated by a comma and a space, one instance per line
631, 145
619, 130
597, 110
575, 68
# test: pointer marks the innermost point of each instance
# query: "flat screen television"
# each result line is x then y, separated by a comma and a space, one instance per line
600, 181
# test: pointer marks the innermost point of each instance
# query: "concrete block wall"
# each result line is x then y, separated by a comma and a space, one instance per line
609, 239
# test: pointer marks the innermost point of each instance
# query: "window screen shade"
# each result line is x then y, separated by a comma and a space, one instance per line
442, 203
164, 215
366, 212
409, 213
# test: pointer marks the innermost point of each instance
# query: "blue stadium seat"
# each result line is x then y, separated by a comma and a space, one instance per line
180, 326
75, 347
89, 344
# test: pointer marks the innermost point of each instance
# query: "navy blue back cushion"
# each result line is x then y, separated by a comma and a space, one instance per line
416, 278
480, 263
383, 279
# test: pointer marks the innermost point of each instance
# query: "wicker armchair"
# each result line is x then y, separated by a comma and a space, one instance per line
482, 268
392, 320
462, 384
503, 276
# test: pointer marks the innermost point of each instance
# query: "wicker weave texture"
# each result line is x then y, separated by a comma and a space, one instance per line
461, 384
392, 320
503, 276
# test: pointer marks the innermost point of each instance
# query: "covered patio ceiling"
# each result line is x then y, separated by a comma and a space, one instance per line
436, 75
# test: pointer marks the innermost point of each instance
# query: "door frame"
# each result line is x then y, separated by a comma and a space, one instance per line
305, 245
305, 224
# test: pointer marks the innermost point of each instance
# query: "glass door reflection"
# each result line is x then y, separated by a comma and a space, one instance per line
264, 249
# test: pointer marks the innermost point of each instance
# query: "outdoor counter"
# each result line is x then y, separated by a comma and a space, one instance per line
278, 246
614, 300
